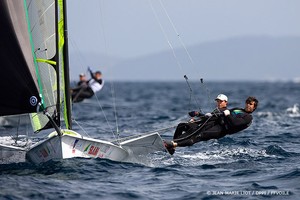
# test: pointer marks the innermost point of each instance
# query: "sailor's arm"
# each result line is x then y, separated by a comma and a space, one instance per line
235, 121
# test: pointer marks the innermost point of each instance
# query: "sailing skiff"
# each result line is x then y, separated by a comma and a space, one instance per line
35, 56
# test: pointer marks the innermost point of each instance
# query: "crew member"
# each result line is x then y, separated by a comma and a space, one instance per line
88, 90
233, 121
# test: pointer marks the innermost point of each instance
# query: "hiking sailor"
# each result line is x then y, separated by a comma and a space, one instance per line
221, 101
217, 126
84, 91
82, 79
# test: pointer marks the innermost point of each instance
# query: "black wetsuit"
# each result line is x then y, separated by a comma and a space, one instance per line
214, 127
81, 93
238, 120
80, 83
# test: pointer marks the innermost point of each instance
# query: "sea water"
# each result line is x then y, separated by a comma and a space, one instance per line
260, 162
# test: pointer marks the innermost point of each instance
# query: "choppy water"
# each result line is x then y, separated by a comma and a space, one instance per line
260, 162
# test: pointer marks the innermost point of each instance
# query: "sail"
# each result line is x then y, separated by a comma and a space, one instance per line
19, 88
46, 19
41, 17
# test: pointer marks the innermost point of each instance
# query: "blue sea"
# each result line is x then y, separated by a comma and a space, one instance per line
261, 162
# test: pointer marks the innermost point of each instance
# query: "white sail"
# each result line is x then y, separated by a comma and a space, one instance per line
41, 17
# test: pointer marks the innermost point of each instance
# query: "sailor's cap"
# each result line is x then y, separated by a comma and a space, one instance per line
221, 97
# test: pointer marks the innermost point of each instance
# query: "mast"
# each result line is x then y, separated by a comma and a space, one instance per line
57, 57
66, 69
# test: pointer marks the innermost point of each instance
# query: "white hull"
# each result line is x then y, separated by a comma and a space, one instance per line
11, 154
71, 145
142, 145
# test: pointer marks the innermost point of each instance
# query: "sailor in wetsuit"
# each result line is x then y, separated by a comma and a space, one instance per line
232, 121
82, 80
84, 91
183, 128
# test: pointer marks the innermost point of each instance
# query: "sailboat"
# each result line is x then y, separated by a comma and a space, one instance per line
36, 36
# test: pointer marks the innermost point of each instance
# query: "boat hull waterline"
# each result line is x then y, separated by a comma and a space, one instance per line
72, 145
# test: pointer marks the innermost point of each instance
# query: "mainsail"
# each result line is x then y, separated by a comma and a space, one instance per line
32, 58
49, 49
18, 78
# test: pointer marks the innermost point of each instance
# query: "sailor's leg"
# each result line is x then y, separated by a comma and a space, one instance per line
184, 129
214, 132
180, 129
185, 143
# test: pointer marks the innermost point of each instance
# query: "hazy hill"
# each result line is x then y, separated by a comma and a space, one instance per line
245, 58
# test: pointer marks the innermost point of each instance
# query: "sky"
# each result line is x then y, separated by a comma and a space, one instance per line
128, 29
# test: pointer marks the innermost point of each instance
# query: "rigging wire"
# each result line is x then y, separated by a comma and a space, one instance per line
84, 63
101, 17
75, 121
99, 104
192, 94
113, 95
203, 86
178, 35
165, 35
160, 130
149, 132
194, 131
82, 60
17, 136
